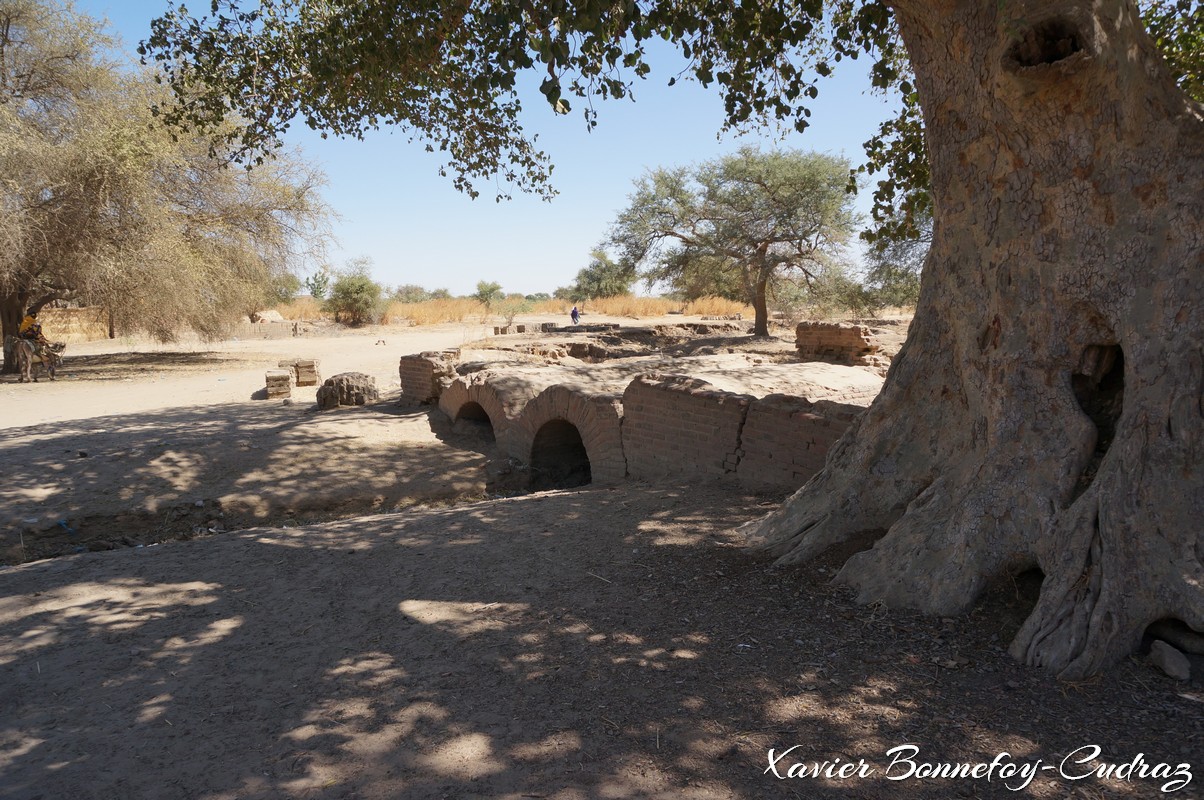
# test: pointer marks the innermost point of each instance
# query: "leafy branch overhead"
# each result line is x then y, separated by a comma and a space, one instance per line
449, 72
453, 74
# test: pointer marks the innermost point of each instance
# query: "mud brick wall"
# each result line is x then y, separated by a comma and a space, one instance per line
675, 425
424, 376
74, 324
834, 342
786, 439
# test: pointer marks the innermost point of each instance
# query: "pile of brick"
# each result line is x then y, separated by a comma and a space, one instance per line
424, 376
279, 383
304, 370
834, 342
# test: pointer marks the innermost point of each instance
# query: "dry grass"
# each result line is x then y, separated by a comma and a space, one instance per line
434, 312
718, 307
302, 309
431, 312
631, 306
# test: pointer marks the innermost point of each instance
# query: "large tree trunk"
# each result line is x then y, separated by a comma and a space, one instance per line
1046, 408
12, 311
760, 306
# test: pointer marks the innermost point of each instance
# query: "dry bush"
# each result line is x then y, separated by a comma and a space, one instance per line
550, 307
626, 305
430, 312
302, 309
718, 307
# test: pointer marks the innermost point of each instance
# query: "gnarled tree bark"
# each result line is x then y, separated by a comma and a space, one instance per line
1046, 408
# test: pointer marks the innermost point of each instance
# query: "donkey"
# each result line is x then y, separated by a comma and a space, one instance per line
49, 356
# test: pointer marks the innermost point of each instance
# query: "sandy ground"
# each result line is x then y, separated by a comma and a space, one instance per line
601, 643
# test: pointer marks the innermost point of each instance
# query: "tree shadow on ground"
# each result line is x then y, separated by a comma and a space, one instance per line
109, 367
135, 478
597, 644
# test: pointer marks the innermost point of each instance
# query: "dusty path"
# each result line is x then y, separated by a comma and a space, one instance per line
595, 644
128, 377
148, 443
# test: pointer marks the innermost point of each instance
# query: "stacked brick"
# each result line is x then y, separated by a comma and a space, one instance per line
279, 383
596, 417
424, 376
835, 342
786, 439
304, 370
675, 425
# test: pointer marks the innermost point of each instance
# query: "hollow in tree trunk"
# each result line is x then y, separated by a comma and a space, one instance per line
1046, 408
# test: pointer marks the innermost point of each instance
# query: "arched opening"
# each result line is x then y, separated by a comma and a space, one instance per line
1047, 42
1174, 647
1099, 388
1008, 599
472, 418
558, 457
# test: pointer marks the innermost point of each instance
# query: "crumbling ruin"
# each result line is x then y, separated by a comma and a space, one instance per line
347, 389
570, 421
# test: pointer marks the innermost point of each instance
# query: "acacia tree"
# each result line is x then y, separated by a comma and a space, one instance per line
602, 277
895, 264
100, 207
355, 299
488, 294
745, 218
1046, 408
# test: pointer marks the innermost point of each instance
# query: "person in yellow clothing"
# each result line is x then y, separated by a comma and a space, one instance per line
31, 329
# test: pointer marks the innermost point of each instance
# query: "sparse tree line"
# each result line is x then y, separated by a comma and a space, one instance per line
105, 207
771, 230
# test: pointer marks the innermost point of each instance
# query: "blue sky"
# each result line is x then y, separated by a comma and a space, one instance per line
417, 229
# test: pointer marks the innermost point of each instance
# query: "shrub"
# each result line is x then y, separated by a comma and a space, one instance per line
355, 299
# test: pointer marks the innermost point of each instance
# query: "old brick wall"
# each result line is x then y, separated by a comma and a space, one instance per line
786, 439
424, 376
675, 425
596, 417
836, 342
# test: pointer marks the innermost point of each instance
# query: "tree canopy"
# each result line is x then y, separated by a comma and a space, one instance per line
488, 294
738, 220
102, 207
602, 277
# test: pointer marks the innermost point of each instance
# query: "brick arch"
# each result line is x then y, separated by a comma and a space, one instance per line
476, 390
597, 418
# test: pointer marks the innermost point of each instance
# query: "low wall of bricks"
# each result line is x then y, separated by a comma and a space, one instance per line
424, 376
834, 342
785, 440
678, 426
662, 426
503, 398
